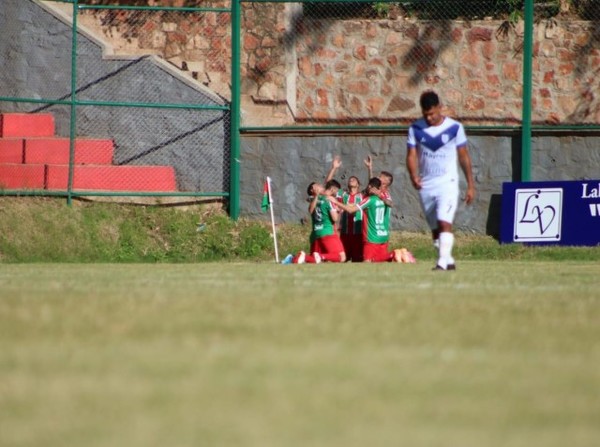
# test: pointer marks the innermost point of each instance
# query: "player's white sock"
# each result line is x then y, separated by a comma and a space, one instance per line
436, 244
446, 244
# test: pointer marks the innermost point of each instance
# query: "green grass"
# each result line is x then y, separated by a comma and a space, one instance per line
34, 230
498, 353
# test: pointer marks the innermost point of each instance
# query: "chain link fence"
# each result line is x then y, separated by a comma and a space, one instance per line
366, 63
139, 101
123, 107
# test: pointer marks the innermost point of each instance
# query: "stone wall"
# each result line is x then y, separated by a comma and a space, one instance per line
378, 69
372, 71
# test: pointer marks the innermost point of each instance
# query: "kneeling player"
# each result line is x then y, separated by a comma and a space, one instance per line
376, 218
325, 242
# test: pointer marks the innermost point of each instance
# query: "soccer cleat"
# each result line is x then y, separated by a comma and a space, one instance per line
448, 268
317, 257
301, 258
288, 259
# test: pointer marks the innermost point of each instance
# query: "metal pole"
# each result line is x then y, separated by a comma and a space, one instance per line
234, 186
72, 127
527, 92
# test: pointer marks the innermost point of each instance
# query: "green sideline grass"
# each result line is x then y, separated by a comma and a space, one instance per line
498, 353
47, 230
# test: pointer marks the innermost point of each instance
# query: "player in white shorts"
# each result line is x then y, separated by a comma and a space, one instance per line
436, 145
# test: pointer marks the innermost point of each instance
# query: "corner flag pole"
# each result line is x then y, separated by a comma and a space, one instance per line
268, 184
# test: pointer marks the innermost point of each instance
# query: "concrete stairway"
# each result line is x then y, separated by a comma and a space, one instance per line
32, 157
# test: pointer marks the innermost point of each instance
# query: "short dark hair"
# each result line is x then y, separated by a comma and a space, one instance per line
429, 99
375, 182
332, 183
309, 190
388, 175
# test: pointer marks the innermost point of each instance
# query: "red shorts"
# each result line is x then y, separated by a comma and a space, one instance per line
329, 247
353, 246
377, 253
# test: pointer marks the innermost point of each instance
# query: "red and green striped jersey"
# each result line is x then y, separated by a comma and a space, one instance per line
376, 220
322, 225
351, 223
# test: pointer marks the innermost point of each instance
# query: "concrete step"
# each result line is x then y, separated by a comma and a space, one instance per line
26, 125
20, 176
113, 178
11, 150
56, 151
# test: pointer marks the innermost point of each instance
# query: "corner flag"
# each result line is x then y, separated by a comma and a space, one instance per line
267, 204
267, 199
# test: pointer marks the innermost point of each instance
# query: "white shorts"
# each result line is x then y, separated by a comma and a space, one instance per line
439, 203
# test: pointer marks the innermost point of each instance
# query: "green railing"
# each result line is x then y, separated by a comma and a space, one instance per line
177, 135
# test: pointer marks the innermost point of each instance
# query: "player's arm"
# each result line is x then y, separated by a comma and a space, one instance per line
348, 207
315, 199
335, 165
333, 214
369, 164
412, 165
387, 200
464, 159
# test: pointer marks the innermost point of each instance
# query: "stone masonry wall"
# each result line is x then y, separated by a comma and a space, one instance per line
378, 69
373, 70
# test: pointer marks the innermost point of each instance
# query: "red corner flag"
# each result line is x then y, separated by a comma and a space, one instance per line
266, 200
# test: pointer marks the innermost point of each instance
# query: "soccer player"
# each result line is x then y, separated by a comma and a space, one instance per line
375, 224
386, 181
325, 242
350, 224
435, 143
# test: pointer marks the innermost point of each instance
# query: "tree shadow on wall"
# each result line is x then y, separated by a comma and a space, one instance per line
589, 102
428, 45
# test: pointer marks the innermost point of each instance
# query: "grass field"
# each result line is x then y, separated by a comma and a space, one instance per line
498, 353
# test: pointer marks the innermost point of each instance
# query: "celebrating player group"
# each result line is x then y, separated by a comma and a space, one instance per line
353, 224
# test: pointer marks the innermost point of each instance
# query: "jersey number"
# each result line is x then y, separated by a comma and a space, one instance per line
380, 215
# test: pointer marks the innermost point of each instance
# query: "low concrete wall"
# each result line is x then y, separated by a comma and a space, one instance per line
294, 161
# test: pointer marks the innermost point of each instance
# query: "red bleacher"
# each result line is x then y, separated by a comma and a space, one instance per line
31, 157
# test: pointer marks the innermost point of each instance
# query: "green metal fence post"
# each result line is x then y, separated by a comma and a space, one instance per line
527, 92
73, 123
234, 188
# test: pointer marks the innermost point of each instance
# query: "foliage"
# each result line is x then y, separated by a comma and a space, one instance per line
47, 230
587, 9
434, 9
160, 3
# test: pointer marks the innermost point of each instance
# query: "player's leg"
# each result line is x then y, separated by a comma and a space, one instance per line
378, 253
369, 252
446, 209
331, 249
357, 248
429, 207
347, 243
445, 260
303, 258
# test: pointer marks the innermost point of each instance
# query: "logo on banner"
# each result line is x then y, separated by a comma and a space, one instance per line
592, 193
538, 215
